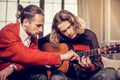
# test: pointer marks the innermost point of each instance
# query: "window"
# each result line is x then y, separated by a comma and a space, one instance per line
8, 8
51, 7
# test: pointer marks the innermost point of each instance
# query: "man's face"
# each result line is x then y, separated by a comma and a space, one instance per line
67, 29
35, 25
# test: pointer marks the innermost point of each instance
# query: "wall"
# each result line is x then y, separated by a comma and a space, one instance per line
115, 19
90, 11
102, 16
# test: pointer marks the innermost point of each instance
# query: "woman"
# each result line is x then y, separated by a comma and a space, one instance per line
68, 28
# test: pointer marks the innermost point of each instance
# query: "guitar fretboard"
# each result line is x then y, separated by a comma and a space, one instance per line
88, 52
98, 51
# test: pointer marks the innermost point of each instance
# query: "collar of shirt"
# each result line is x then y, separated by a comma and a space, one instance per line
26, 39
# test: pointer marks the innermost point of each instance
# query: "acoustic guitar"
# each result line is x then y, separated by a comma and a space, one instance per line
63, 48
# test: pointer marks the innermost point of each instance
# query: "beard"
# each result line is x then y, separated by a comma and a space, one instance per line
36, 35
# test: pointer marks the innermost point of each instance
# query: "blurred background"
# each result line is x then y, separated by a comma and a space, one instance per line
101, 16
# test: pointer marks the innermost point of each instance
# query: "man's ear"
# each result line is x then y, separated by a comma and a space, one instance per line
26, 22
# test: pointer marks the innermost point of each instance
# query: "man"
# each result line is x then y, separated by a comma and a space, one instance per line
69, 29
19, 50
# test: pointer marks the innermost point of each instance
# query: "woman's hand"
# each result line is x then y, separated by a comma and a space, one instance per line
85, 62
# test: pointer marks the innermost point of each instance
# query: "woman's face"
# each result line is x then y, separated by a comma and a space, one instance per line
67, 29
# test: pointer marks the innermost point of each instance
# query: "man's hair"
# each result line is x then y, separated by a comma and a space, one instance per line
29, 12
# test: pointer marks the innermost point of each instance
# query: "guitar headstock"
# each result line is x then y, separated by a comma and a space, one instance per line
110, 49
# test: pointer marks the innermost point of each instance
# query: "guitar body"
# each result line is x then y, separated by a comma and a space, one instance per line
60, 49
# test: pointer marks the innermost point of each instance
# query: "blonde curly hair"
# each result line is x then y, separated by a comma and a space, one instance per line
61, 16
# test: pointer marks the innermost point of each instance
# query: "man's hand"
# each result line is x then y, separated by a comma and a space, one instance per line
6, 72
70, 55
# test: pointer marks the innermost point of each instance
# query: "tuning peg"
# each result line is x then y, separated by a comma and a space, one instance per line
110, 52
114, 46
105, 52
115, 51
109, 46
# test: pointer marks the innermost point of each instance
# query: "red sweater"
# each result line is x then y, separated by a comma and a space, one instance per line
13, 51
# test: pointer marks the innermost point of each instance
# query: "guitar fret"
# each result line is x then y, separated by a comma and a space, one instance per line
88, 53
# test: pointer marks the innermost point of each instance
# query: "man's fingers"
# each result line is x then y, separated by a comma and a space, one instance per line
3, 78
74, 58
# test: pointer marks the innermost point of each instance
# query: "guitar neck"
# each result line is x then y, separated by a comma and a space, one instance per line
91, 52
98, 51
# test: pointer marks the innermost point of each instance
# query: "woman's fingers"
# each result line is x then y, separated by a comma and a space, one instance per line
85, 62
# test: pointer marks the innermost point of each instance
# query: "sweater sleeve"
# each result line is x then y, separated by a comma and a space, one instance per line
97, 63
